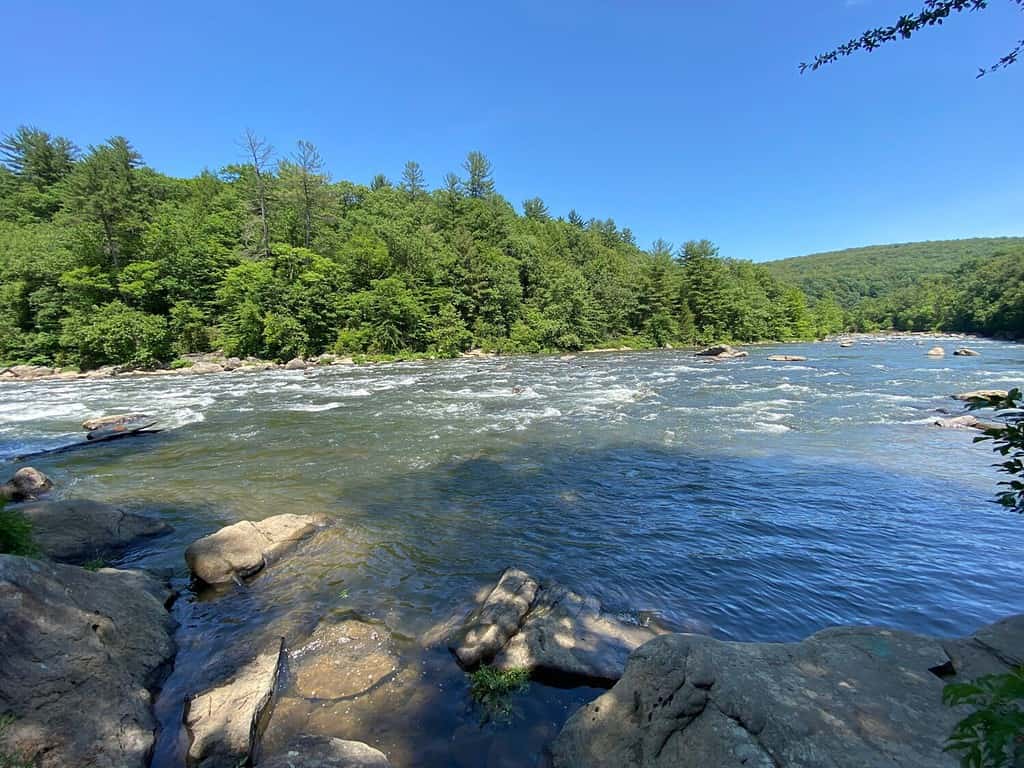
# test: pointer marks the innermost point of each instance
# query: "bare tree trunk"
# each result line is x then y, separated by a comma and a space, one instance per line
259, 153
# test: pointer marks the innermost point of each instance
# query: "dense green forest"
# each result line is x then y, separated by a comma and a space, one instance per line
103, 260
974, 285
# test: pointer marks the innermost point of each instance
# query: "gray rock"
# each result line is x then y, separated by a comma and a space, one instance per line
295, 364
343, 658
28, 372
966, 352
232, 364
489, 627
983, 394
27, 483
79, 530
226, 722
322, 752
116, 420
81, 653
787, 358
721, 352
936, 352
205, 367
245, 548
849, 697
566, 634
964, 422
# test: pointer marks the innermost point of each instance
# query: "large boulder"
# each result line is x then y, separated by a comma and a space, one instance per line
721, 352
81, 653
343, 658
499, 617
324, 752
245, 548
296, 364
27, 483
27, 372
226, 722
982, 394
80, 530
843, 698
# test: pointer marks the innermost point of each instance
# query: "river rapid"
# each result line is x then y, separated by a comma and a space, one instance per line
749, 499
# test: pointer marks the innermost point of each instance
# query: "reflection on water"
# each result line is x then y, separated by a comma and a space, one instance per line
761, 500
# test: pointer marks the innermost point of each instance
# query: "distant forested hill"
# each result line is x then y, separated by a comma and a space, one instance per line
974, 285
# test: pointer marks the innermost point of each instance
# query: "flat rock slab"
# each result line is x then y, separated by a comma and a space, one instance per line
983, 394
226, 722
81, 653
489, 628
322, 752
964, 422
343, 658
849, 697
246, 548
79, 530
721, 351
547, 629
787, 358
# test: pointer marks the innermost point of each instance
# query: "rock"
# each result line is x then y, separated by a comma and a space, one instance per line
787, 358
245, 548
226, 722
936, 352
232, 364
566, 634
845, 344
964, 422
488, 628
81, 653
343, 658
117, 420
845, 698
27, 483
323, 752
28, 372
295, 364
205, 367
721, 352
79, 530
966, 352
983, 394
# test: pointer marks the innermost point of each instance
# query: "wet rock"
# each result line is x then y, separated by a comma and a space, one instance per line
787, 358
966, 352
295, 364
105, 427
27, 483
81, 653
845, 344
79, 530
324, 752
343, 658
936, 352
232, 364
499, 617
963, 422
566, 634
983, 394
721, 352
226, 722
845, 697
245, 548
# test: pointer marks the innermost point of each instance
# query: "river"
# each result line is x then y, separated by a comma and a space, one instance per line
749, 499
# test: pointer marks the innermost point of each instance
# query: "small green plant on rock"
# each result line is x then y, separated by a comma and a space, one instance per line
993, 735
16, 534
96, 564
491, 688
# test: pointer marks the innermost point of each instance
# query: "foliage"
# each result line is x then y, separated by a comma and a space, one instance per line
933, 13
491, 688
96, 564
15, 534
1008, 441
992, 736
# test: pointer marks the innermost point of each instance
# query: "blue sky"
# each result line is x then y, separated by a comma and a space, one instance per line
678, 118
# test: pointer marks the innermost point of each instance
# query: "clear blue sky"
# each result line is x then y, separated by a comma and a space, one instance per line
678, 118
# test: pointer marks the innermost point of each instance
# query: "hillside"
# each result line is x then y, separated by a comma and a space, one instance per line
879, 270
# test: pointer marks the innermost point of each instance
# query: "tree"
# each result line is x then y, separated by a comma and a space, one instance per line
575, 219
933, 13
479, 181
380, 181
413, 182
312, 179
36, 156
535, 209
259, 155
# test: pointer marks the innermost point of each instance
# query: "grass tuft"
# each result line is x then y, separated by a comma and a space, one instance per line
491, 688
16, 534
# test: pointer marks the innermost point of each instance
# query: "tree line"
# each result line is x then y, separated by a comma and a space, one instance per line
105, 261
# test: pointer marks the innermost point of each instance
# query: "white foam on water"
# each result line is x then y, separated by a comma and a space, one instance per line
767, 428
313, 407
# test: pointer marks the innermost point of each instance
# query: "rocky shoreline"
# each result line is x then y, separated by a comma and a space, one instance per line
86, 651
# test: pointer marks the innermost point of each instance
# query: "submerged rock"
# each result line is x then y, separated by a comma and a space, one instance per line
246, 548
343, 658
79, 530
721, 352
499, 617
983, 394
547, 629
81, 653
966, 352
787, 358
226, 722
27, 483
323, 752
846, 697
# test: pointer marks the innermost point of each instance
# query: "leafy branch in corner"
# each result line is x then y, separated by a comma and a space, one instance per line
934, 13
993, 735
1008, 442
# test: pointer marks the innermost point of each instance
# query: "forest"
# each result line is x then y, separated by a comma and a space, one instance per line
105, 261
974, 285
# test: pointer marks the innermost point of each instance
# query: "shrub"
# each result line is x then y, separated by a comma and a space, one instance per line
491, 689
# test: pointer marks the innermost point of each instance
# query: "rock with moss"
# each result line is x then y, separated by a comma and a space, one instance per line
82, 653
846, 697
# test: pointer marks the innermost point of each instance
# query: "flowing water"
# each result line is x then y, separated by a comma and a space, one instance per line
749, 499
